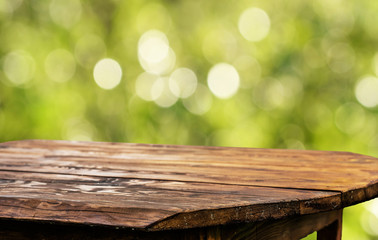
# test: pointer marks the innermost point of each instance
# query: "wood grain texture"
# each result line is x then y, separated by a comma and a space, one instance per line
295, 227
160, 187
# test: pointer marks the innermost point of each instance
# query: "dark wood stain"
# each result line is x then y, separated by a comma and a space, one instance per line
283, 229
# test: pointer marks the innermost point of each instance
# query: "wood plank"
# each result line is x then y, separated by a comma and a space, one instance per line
284, 229
175, 201
257, 167
155, 151
240, 176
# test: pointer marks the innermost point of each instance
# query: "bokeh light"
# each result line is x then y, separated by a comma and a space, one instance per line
341, 57
65, 12
277, 93
200, 102
19, 67
339, 16
144, 84
254, 24
269, 94
302, 77
372, 206
162, 94
107, 73
294, 144
223, 80
153, 46
154, 54
293, 136
162, 67
183, 82
60, 65
78, 129
350, 118
366, 91
369, 218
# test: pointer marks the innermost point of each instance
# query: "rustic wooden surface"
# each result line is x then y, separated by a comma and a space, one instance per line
161, 187
295, 227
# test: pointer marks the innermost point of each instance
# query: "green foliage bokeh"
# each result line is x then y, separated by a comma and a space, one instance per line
299, 85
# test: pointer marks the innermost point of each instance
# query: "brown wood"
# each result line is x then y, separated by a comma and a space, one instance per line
284, 229
165, 187
332, 231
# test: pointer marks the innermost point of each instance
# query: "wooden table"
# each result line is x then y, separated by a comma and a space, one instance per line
78, 190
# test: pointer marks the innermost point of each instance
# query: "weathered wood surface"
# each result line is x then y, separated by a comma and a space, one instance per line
295, 227
159, 187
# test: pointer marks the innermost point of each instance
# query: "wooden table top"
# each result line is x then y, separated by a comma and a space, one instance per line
159, 187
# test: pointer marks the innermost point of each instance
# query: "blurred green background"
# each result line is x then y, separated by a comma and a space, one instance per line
283, 74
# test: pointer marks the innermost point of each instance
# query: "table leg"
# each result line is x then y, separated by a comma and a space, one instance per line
332, 231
